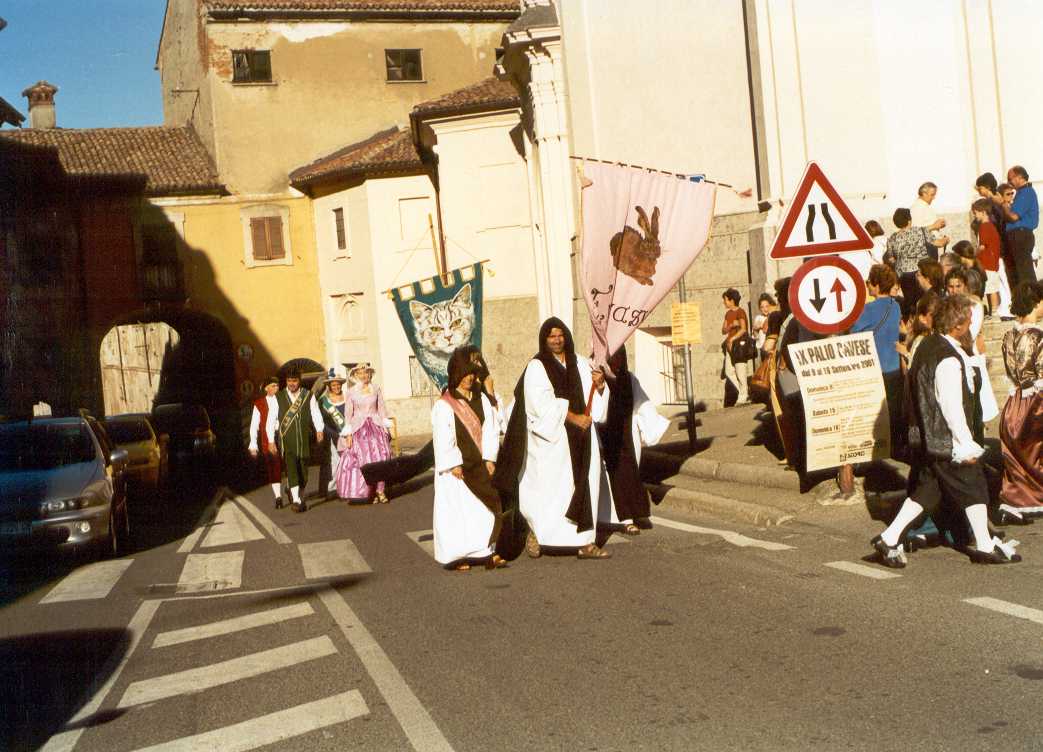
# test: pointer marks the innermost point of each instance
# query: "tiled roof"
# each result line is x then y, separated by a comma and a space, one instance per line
171, 160
386, 152
488, 94
499, 9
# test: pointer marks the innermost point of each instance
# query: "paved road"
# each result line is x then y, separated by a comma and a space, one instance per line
336, 629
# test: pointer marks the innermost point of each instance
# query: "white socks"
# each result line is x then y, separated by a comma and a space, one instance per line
277, 490
295, 493
910, 511
978, 516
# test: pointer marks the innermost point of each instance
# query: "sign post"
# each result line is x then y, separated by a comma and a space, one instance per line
845, 408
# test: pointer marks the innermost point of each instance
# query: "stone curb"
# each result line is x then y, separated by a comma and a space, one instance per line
685, 501
736, 472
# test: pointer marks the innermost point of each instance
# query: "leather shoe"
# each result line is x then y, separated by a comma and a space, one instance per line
890, 556
995, 556
1003, 517
299, 507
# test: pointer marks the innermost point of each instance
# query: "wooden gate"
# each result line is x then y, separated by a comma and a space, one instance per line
131, 364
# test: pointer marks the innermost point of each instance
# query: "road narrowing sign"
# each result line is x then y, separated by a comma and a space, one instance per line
818, 222
827, 294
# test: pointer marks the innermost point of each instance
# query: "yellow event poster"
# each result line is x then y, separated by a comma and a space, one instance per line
845, 407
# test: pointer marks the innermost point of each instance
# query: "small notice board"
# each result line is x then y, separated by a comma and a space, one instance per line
686, 324
845, 406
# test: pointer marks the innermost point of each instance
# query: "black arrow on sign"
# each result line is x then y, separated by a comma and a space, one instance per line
818, 301
836, 289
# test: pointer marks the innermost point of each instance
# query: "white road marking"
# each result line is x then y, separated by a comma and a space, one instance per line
202, 572
1010, 609
425, 539
263, 520
89, 583
736, 539
190, 542
336, 558
228, 626
861, 569
231, 527
414, 719
205, 677
272, 728
66, 740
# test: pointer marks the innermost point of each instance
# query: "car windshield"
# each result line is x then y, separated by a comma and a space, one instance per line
127, 431
44, 446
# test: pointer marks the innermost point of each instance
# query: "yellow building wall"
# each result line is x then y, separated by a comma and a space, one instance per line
275, 310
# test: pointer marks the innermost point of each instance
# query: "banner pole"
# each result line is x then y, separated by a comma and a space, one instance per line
439, 261
689, 390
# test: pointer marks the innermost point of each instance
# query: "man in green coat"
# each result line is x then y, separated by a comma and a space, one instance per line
295, 407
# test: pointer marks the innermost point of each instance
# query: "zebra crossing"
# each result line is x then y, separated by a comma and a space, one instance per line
146, 699
207, 568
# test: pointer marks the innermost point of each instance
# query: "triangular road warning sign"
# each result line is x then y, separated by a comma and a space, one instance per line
818, 221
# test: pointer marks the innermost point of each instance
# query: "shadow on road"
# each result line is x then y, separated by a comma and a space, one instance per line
45, 677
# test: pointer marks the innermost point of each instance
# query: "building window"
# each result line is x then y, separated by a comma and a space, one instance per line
251, 67
266, 236
403, 65
161, 271
338, 223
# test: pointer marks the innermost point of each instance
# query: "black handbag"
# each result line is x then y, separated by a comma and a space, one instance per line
744, 348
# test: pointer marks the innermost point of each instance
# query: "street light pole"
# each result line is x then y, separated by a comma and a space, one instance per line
689, 390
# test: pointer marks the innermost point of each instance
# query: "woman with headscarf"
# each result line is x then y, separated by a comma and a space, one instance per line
550, 469
466, 440
632, 420
484, 383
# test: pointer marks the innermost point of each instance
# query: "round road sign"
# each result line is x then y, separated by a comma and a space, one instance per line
827, 294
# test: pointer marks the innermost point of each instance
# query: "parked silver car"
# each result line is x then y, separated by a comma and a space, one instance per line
62, 484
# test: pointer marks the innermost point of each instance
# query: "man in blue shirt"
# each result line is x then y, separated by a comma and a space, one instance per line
1022, 219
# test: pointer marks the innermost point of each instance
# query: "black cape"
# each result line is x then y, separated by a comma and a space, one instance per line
617, 447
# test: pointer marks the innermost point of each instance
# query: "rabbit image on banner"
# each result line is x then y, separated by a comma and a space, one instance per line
634, 255
646, 257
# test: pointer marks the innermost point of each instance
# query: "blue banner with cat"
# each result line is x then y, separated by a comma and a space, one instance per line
440, 315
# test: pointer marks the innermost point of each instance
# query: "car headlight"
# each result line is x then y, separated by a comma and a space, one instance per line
57, 506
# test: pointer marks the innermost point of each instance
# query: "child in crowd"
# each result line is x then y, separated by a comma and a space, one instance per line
989, 251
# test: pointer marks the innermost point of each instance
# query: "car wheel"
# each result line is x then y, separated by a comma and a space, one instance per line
124, 538
109, 547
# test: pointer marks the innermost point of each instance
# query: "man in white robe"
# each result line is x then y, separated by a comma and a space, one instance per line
555, 466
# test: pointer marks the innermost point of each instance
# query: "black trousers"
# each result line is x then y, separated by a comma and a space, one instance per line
1020, 242
933, 481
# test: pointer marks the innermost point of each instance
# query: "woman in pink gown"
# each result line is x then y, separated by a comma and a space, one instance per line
367, 438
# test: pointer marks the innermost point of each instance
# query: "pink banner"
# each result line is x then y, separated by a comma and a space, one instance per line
641, 231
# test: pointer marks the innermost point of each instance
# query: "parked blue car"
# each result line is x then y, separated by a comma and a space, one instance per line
62, 485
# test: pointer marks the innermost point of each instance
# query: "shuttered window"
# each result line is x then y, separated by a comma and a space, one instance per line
338, 221
266, 234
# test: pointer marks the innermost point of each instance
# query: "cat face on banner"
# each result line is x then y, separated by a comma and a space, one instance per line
442, 327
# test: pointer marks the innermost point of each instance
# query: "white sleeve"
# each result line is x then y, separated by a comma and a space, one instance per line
650, 424
544, 412
490, 431
443, 435
948, 390
255, 425
316, 416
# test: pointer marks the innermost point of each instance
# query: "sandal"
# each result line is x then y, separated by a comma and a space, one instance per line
590, 551
495, 562
532, 546
462, 567
381, 499
631, 529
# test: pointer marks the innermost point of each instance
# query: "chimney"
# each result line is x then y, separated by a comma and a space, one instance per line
41, 104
